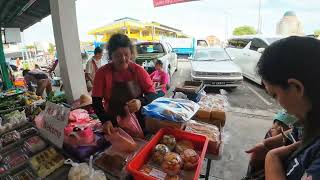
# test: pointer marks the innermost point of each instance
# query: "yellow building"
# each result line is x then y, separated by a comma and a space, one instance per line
136, 30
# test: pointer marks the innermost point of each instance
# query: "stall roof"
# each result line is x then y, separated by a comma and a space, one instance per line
22, 13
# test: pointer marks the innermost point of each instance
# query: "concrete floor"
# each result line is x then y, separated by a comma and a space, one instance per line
248, 119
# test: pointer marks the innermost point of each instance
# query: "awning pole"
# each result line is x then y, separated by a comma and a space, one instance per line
7, 84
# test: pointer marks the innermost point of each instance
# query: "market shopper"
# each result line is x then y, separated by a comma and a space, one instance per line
121, 83
92, 66
39, 78
288, 68
160, 79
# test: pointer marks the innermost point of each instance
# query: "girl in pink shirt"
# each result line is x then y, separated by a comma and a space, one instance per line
160, 79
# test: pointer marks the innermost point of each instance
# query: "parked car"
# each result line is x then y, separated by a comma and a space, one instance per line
215, 68
185, 47
246, 52
149, 52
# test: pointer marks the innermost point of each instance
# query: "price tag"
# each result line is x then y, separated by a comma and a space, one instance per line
54, 120
158, 174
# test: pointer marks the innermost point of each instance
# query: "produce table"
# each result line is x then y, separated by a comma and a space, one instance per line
100, 148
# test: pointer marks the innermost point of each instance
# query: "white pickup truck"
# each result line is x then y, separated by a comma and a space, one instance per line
149, 52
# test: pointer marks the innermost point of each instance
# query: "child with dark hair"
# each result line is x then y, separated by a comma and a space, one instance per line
282, 122
160, 79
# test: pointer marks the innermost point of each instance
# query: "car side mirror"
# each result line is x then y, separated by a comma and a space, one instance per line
261, 50
174, 50
232, 58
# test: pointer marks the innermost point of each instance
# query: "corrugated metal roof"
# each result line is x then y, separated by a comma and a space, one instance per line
22, 13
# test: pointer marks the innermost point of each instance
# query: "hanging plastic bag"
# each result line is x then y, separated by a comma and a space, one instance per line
130, 124
121, 141
179, 110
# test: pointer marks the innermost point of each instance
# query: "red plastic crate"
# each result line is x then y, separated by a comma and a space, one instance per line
200, 142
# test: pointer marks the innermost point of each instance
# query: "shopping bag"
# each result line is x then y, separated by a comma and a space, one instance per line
130, 124
121, 141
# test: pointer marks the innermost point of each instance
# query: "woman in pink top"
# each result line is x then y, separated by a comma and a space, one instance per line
160, 79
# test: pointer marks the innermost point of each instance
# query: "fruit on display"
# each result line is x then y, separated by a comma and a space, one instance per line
169, 141
159, 152
9, 138
34, 144
183, 145
172, 164
190, 159
27, 132
14, 158
46, 162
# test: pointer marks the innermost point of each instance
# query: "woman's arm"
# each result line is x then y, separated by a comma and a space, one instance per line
274, 168
99, 110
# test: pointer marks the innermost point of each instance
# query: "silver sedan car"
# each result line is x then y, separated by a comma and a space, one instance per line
215, 68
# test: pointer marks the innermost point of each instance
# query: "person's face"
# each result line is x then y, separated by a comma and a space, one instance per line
276, 129
98, 56
158, 67
292, 98
121, 58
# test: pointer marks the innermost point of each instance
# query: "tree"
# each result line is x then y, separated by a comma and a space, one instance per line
51, 48
244, 30
317, 32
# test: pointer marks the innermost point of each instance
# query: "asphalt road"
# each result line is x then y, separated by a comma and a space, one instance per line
249, 117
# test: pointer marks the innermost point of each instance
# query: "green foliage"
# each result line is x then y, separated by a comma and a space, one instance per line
317, 32
244, 30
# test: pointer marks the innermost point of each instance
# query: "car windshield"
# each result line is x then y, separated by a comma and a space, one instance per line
272, 40
211, 55
148, 48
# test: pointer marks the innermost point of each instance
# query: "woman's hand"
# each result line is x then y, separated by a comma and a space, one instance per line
258, 155
107, 127
134, 105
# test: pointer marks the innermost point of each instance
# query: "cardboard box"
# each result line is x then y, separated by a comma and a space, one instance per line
214, 117
154, 125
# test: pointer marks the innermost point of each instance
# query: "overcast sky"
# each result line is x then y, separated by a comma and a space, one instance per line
198, 18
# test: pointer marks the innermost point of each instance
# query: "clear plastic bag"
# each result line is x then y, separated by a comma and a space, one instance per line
214, 102
130, 124
178, 110
78, 115
83, 171
121, 141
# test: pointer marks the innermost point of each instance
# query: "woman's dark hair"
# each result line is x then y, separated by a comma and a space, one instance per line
159, 62
98, 50
25, 72
297, 58
119, 41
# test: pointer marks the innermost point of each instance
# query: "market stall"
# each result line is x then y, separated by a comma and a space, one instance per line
50, 139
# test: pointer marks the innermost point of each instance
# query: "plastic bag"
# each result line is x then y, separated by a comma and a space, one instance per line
121, 141
214, 102
130, 124
179, 110
78, 115
83, 171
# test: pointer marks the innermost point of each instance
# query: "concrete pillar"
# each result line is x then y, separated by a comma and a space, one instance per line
65, 28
